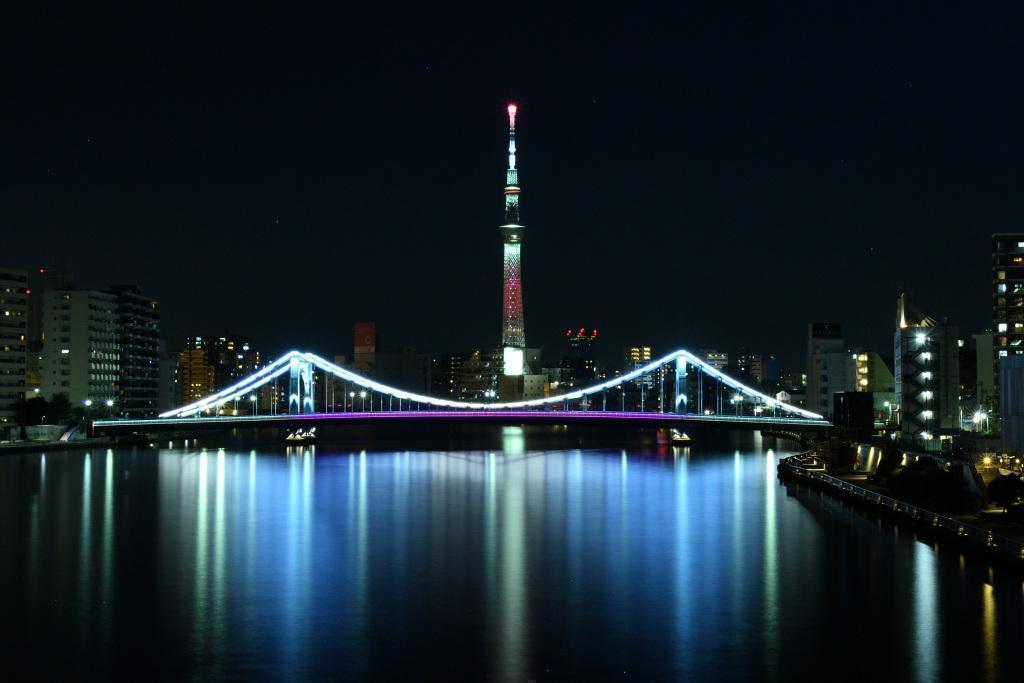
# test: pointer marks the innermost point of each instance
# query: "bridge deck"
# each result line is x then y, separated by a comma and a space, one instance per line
455, 416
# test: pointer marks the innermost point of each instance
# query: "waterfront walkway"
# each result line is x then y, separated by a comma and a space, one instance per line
809, 469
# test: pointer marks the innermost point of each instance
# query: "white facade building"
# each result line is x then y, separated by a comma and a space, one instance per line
81, 357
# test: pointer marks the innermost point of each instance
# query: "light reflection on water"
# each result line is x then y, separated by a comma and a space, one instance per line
503, 564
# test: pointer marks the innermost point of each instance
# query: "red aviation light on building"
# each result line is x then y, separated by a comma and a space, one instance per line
512, 109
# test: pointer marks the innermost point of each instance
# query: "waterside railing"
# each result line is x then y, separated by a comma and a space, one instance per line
809, 468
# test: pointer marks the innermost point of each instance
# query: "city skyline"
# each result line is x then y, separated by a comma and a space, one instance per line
820, 209
282, 395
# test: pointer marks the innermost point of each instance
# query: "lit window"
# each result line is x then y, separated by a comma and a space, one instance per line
926, 414
1001, 288
1001, 327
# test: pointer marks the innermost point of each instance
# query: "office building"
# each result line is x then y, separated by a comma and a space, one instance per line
827, 365
867, 371
984, 372
716, 359
479, 376
578, 367
1011, 402
364, 353
408, 368
14, 295
81, 349
169, 393
926, 367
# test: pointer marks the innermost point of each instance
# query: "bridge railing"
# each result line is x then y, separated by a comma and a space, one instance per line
987, 538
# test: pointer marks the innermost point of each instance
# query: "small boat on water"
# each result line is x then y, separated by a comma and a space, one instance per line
301, 435
677, 436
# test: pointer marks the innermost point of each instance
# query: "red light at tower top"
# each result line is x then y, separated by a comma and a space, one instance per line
512, 109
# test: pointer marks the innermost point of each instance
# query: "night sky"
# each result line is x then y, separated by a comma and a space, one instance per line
689, 179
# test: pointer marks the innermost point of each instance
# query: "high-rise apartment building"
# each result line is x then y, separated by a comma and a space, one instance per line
81, 349
1007, 299
196, 371
636, 357
927, 375
234, 357
750, 365
209, 363
13, 334
138, 333
446, 375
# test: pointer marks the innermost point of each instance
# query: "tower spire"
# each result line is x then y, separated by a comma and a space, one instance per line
512, 175
513, 333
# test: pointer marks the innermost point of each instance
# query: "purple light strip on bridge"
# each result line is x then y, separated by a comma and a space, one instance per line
493, 414
467, 415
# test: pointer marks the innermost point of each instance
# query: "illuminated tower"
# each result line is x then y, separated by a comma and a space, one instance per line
513, 332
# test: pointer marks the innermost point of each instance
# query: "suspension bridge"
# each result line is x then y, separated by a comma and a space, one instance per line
301, 389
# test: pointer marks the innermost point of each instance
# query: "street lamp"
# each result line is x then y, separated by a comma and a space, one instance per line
255, 406
110, 407
362, 395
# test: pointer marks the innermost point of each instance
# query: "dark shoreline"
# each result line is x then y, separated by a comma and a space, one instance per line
925, 523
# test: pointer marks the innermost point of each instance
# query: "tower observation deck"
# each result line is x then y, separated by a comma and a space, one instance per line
513, 332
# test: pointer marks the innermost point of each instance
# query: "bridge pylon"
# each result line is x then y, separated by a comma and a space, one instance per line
300, 387
681, 394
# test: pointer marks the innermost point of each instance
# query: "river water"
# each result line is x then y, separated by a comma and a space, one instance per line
520, 560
